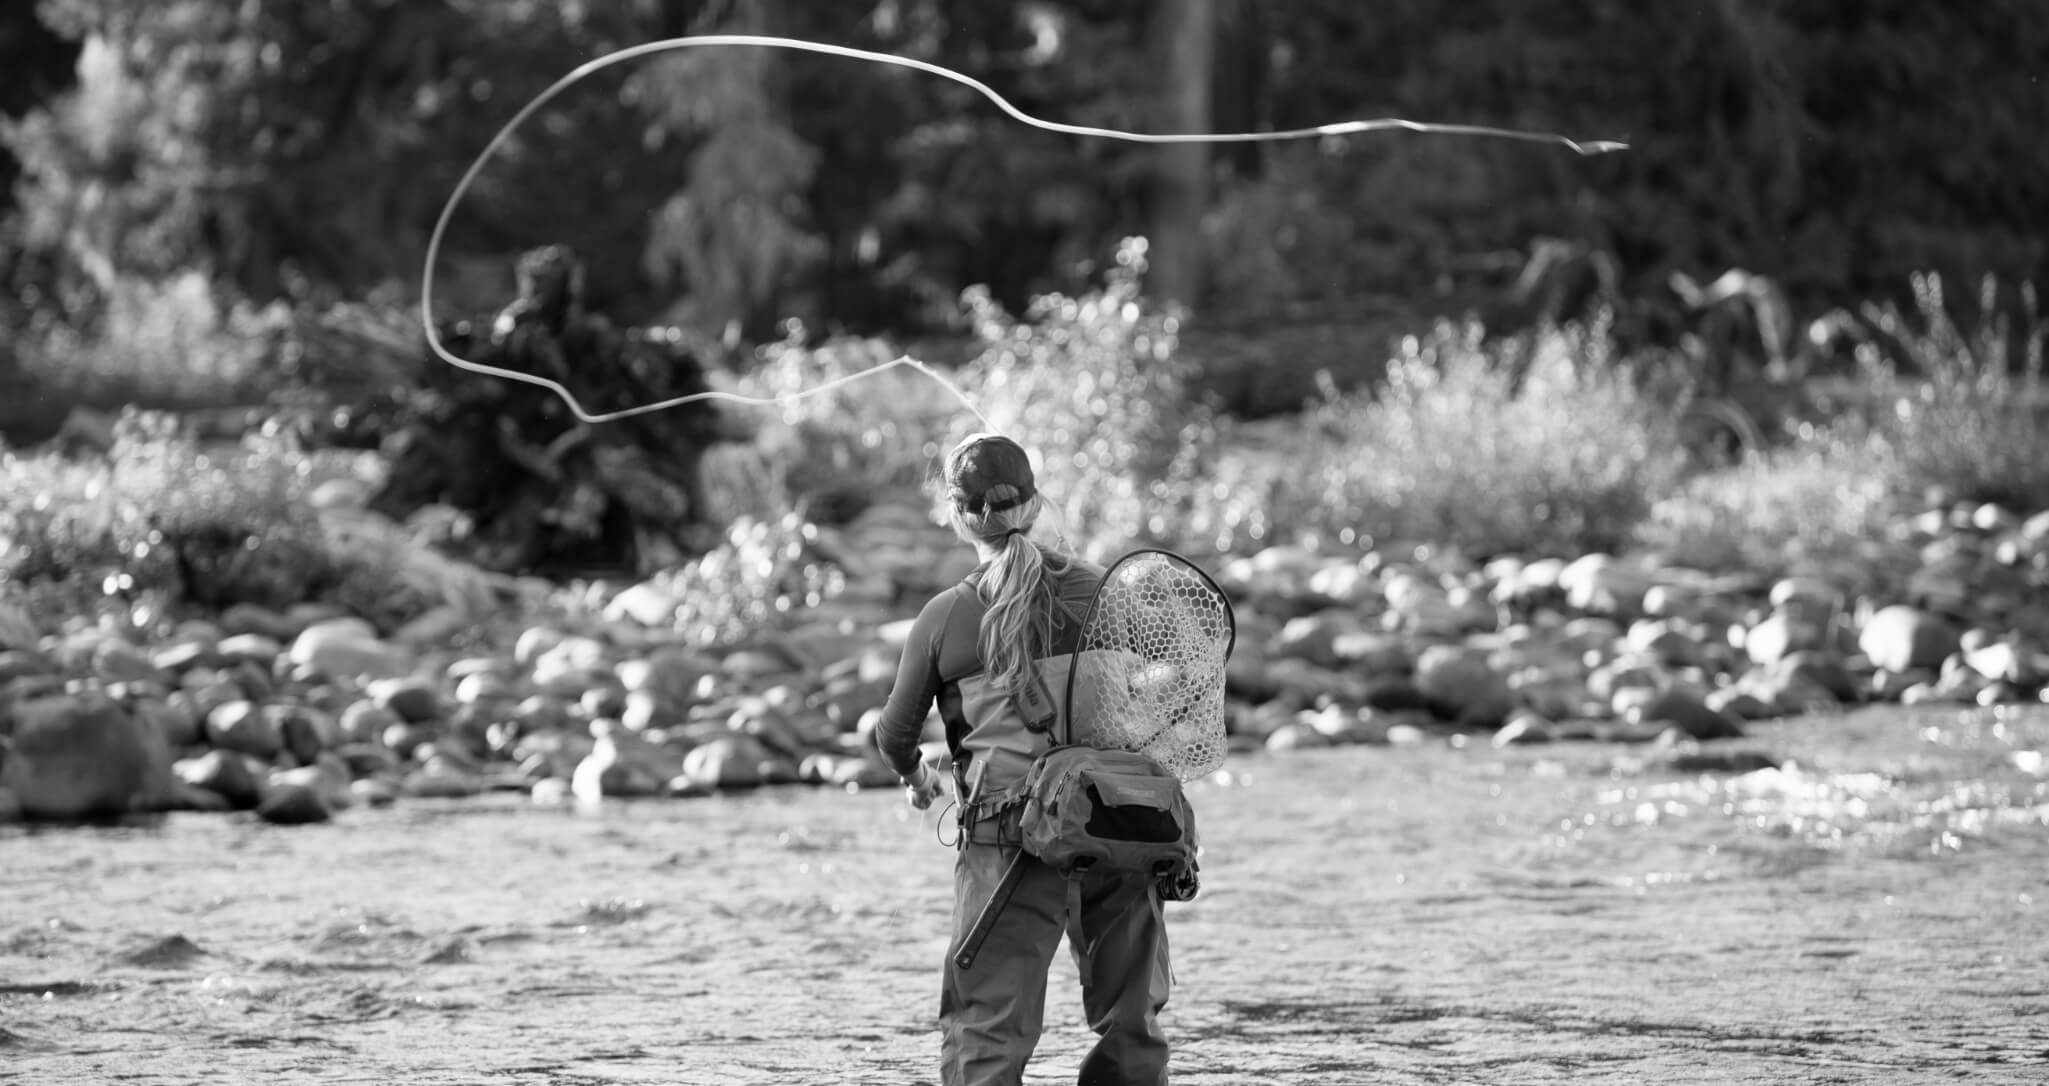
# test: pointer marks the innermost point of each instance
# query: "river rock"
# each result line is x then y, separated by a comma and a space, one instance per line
209, 689
1737, 702
294, 805
1374, 652
174, 719
1665, 641
622, 763
116, 660
1946, 585
441, 779
483, 685
2010, 660
1344, 726
303, 731
570, 663
18, 630
328, 776
725, 762
1312, 638
1603, 584
364, 721
648, 603
82, 756
1823, 669
1904, 638
434, 626
1272, 574
1461, 686
248, 648
1524, 585
1688, 712
844, 701
1296, 735
346, 648
1589, 634
225, 774
415, 701
1525, 727
1302, 683
244, 727
1343, 583
1611, 681
19, 664
678, 675
1783, 632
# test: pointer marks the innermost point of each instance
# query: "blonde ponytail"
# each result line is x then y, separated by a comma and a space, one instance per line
1017, 624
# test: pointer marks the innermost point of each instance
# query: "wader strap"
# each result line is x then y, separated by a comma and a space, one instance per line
971, 944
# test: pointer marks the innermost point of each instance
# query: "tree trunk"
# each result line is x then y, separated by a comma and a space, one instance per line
1185, 32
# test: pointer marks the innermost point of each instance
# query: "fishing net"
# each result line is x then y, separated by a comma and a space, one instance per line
1149, 676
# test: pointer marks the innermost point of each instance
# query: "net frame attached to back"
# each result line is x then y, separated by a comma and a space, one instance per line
1148, 675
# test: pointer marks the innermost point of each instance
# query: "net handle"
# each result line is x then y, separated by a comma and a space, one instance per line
1095, 601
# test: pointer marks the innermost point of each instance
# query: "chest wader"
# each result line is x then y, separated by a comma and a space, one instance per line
1079, 809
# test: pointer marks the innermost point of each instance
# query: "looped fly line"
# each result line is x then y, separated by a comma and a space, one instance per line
1343, 128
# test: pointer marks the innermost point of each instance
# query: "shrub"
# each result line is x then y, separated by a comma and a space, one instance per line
1960, 416
168, 341
1094, 386
1815, 500
1971, 423
1554, 446
838, 443
764, 574
1091, 384
162, 519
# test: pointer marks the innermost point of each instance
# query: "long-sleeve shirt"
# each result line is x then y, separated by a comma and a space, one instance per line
942, 663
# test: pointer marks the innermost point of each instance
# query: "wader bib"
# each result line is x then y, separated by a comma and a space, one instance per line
992, 1002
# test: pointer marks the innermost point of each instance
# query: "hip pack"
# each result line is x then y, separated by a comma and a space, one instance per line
1087, 809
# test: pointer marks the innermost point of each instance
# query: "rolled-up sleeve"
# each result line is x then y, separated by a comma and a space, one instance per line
917, 686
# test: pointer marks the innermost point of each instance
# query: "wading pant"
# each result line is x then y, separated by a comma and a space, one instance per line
990, 1014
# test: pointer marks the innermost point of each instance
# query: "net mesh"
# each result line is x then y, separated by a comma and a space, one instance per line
1150, 674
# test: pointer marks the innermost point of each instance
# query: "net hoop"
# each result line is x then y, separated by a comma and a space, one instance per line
1190, 742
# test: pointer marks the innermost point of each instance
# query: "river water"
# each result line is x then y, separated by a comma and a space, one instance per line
1874, 910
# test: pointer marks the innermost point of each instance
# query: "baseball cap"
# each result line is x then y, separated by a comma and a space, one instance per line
982, 462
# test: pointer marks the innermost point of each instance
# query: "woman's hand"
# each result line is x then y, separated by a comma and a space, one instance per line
924, 786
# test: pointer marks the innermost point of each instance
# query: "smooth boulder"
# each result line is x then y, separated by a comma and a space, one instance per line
83, 756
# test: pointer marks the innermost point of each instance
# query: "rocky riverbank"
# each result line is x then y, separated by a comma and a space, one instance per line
299, 714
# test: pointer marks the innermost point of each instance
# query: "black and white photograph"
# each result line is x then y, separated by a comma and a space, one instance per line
1024, 542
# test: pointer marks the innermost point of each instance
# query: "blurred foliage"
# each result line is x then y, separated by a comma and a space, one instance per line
821, 205
1548, 443
1958, 421
160, 341
1811, 501
1943, 417
762, 575
1550, 447
1121, 433
1834, 148
837, 444
162, 518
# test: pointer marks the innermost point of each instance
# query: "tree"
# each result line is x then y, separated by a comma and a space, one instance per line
1185, 35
